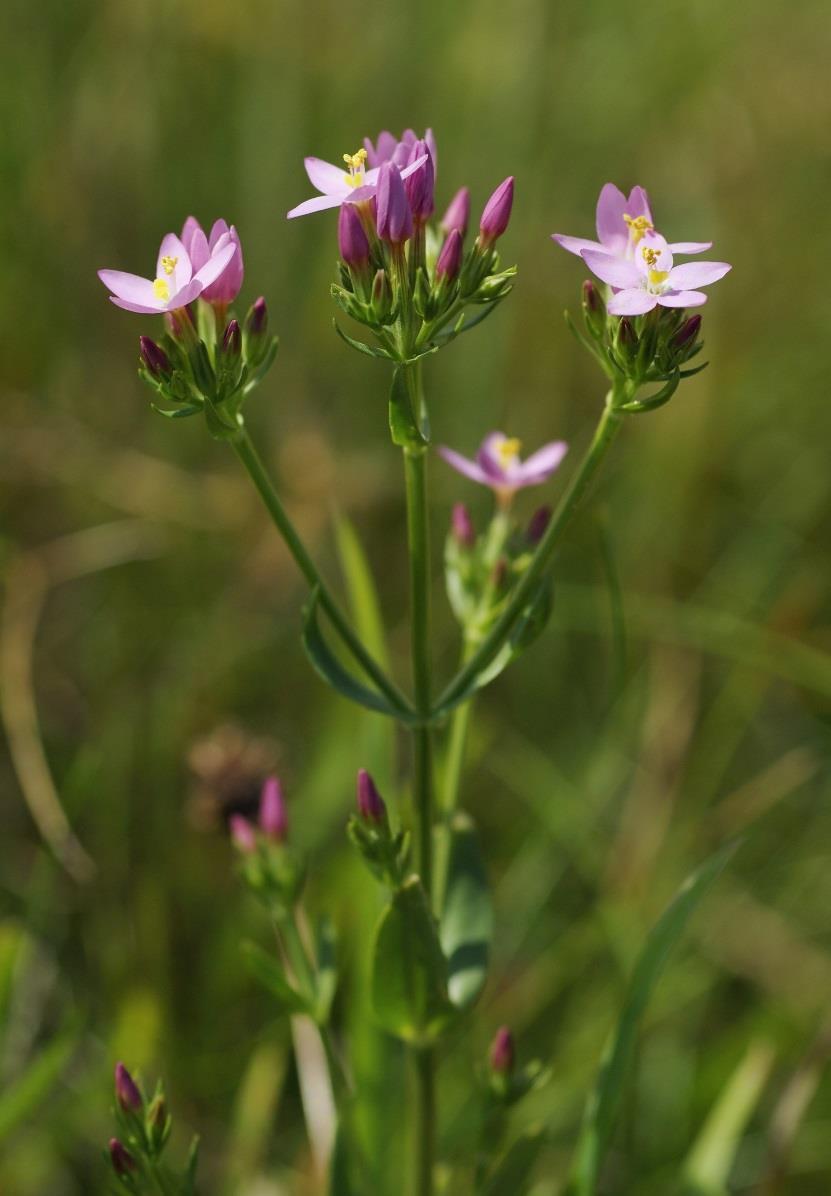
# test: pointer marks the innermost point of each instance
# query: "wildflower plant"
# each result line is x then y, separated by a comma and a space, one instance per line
408, 284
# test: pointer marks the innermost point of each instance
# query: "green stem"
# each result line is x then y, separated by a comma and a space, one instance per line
425, 1121
603, 437
256, 470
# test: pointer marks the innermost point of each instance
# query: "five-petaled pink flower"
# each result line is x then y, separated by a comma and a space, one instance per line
199, 249
177, 282
498, 464
339, 186
651, 279
621, 224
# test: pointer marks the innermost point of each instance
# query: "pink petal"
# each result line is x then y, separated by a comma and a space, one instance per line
318, 204
614, 270
189, 228
462, 465
137, 307
489, 458
682, 299
633, 301
199, 251
131, 288
171, 246
576, 244
541, 464
690, 246
638, 204
611, 229
219, 229
411, 169
219, 259
327, 178
697, 274
185, 295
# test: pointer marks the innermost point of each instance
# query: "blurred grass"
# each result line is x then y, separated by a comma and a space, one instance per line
597, 789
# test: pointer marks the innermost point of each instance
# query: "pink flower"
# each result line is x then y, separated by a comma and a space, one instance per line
389, 149
621, 223
651, 278
498, 464
339, 186
199, 249
177, 282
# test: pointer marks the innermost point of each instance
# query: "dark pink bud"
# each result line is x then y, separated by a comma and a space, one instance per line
370, 803
242, 833
352, 240
258, 316
497, 212
274, 821
458, 212
450, 258
155, 360
686, 334
462, 525
537, 524
121, 1159
421, 184
394, 219
502, 1052
126, 1090
232, 340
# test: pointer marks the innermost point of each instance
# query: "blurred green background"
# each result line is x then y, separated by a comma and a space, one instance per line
148, 605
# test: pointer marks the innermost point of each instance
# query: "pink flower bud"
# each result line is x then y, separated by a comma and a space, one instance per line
462, 525
686, 334
370, 803
394, 219
450, 258
502, 1052
458, 212
121, 1159
273, 819
126, 1090
232, 341
154, 358
420, 185
537, 524
352, 240
242, 833
497, 212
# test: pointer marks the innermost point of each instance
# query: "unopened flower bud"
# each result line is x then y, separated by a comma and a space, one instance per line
458, 212
273, 815
352, 240
242, 833
121, 1159
158, 1121
420, 185
394, 219
450, 259
462, 526
594, 311
686, 335
370, 803
126, 1090
537, 524
232, 341
381, 298
497, 212
255, 332
154, 359
626, 339
502, 1054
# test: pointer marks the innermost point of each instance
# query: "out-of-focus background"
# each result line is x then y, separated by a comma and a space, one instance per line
149, 658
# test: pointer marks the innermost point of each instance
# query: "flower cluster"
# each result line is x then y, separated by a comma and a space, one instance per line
269, 866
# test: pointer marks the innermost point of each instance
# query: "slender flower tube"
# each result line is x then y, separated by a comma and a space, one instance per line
394, 219
226, 287
450, 258
420, 186
126, 1090
273, 815
457, 215
621, 223
497, 212
652, 278
352, 240
177, 282
371, 805
498, 464
337, 186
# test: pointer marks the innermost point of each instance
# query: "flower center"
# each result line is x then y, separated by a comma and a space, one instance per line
169, 264
638, 225
508, 450
355, 162
161, 289
652, 257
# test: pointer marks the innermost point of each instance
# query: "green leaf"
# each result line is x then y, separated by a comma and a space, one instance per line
513, 1173
603, 1102
404, 427
409, 972
369, 350
23, 1097
466, 927
334, 673
180, 412
327, 972
270, 973
340, 1178
363, 594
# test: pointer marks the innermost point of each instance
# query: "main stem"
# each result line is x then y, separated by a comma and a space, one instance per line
258, 473
418, 535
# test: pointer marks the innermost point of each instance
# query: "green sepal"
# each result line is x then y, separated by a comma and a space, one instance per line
361, 346
409, 971
271, 975
179, 413
466, 923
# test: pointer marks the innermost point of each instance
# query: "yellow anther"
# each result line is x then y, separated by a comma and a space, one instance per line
355, 161
161, 290
509, 449
169, 264
638, 225
650, 256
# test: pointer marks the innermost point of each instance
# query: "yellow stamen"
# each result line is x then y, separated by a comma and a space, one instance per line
650, 256
509, 450
638, 225
356, 163
161, 290
169, 264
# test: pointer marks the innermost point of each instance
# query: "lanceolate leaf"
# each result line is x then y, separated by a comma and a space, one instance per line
270, 974
466, 927
603, 1102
